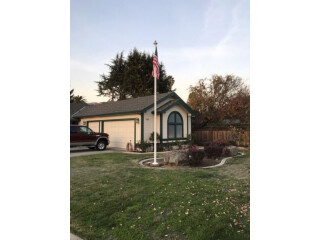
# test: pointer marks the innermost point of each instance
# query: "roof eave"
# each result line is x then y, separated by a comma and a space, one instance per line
110, 114
181, 102
193, 113
72, 115
159, 101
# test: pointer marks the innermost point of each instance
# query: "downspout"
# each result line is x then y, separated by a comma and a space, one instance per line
142, 127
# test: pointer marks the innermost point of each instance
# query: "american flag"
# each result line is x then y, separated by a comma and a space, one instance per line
155, 70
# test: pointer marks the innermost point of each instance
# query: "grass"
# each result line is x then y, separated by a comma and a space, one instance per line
112, 197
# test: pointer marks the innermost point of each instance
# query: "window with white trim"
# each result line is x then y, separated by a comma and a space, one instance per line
175, 125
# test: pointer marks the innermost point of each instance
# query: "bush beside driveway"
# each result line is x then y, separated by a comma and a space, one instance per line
112, 197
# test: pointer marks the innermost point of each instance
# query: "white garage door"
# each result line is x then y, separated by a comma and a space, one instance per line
120, 132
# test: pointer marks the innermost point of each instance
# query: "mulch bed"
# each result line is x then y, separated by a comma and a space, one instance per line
206, 162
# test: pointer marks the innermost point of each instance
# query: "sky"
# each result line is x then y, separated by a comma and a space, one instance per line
196, 39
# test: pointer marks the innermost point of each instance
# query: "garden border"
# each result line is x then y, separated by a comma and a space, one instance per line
147, 159
223, 161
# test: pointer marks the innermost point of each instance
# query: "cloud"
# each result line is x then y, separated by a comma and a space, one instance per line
226, 21
226, 25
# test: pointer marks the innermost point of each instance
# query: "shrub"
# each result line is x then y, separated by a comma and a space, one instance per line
169, 145
178, 143
234, 134
221, 143
151, 137
188, 146
195, 156
214, 149
190, 140
142, 145
238, 136
227, 152
160, 148
193, 147
233, 143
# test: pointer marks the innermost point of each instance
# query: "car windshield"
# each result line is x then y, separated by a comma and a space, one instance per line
85, 130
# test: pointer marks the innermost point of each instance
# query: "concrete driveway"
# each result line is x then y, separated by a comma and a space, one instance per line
84, 151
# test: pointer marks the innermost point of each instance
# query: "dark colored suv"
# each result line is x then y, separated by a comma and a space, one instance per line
84, 136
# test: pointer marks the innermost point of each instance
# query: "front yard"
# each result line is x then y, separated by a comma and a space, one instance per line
112, 197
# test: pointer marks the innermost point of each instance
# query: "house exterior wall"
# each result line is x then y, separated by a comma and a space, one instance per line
189, 123
184, 114
149, 124
95, 126
149, 121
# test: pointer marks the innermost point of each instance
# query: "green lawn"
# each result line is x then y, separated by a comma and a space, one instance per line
112, 197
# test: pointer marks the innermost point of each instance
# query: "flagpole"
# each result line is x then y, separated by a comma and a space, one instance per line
155, 116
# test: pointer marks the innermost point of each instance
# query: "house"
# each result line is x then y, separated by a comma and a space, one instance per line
132, 119
75, 108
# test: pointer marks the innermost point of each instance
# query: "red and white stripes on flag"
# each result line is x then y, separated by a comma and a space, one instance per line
155, 70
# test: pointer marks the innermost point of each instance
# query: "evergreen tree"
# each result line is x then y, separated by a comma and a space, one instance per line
76, 99
113, 85
79, 99
131, 77
71, 95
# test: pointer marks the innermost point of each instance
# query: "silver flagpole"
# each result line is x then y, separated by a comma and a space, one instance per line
155, 113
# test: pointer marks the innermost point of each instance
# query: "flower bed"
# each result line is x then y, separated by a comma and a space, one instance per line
206, 162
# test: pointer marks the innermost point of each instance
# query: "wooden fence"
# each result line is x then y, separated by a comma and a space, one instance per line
202, 136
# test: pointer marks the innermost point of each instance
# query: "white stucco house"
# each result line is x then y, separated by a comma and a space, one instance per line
132, 119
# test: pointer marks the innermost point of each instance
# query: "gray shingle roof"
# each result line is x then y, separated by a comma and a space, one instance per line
124, 106
75, 107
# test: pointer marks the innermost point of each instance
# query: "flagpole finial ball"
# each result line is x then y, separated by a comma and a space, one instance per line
155, 42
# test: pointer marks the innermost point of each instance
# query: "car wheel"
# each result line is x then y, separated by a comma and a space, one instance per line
101, 145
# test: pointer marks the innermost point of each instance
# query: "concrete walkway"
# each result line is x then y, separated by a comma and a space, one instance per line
84, 151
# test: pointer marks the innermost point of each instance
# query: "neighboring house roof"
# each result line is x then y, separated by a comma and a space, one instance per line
76, 107
133, 105
231, 121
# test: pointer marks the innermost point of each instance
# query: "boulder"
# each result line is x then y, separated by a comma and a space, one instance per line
176, 157
166, 158
233, 150
175, 147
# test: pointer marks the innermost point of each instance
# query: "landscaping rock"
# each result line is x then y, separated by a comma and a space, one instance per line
175, 147
233, 150
165, 158
176, 157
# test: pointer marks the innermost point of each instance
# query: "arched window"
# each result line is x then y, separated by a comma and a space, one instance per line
175, 125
